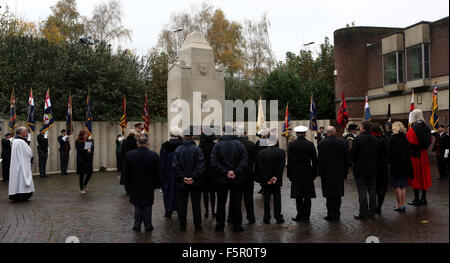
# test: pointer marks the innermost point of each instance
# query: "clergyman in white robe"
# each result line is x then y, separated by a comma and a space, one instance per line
21, 186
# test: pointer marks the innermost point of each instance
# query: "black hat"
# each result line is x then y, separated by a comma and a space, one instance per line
352, 127
8, 134
63, 130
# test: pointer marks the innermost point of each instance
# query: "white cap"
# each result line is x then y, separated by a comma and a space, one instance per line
175, 132
301, 129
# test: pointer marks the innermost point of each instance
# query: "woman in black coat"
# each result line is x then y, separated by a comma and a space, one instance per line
208, 184
382, 180
400, 164
85, 158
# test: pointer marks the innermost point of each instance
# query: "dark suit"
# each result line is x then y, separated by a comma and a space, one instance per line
42, 154
364, 155
6, 156
271, 163
189, 163
333, 169
141, 177
229, 154
64, 154
249, 178
441, 143
302, 171
128, 145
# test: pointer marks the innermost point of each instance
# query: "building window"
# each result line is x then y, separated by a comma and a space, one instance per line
393, 68
418, 62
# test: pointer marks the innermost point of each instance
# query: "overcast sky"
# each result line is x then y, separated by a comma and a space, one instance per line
293, 22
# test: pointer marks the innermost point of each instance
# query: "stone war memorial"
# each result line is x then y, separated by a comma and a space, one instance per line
225, 137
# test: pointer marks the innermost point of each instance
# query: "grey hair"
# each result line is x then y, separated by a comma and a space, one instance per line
20, 130
331, 130
142, 140
132, 132
240, 131
417, 115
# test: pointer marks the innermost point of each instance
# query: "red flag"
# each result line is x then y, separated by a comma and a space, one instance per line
342, 118
123, 119
146, 115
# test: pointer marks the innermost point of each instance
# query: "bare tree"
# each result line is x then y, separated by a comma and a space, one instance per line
106, 23
258, 50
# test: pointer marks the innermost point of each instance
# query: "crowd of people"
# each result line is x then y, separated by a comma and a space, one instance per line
223, 169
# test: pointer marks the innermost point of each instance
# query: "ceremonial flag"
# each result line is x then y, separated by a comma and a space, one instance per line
31, 122
69, 125
343, 114
412, 107
88, 124
312, 116
367, 109
287, 122
389, 113
48, 115
434, 120
146, 115
12, 113
260, 120
123, 119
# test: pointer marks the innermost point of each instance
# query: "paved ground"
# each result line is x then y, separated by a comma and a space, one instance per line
57, 210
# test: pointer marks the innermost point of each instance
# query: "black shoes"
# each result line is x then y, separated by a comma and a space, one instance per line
266, 221
183, 228
358, 217
206, 214
418, 202
301, 219
168, 215
238, 229
135, 229
198, 228
213, 215
331, 219
150, 229
280, 221
252, 221
219, 229
378, 211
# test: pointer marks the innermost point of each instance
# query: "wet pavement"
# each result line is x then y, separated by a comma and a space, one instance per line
58, 210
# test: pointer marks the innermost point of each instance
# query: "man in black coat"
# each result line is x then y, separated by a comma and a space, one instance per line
6, 157
333, 169
208, 186
249, 175
64, 151
229, 159
440, 144
141, 177
302, 171
364, 154
42, 148
128, 145
189, 166
271, 162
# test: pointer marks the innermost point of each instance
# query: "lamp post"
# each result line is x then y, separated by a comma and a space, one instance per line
176, 36
308, 44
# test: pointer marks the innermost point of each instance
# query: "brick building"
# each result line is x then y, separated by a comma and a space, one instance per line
388, 64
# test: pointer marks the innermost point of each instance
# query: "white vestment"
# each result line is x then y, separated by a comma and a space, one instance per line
20, 174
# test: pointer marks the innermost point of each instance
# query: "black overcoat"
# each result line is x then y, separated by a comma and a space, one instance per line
382, 165
399, 156
364, 155
128, 145
84, 158
208, 183
333, 165
271, 162
302, 168
141, 176
249, 172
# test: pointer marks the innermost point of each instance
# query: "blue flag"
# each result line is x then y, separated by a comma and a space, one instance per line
88, 125
312, 116
48, 115
367, 110
31, 122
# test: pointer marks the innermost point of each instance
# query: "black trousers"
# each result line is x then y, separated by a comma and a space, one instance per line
64, 161
334, 207
268, 192
235, 191
143, 215
248, 200
43, 156
207, 197
442, 166
183, 198
119, 162
366, 185
84, 181
5, 170
303, 207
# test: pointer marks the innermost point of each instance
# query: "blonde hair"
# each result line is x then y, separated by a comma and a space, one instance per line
398, 127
